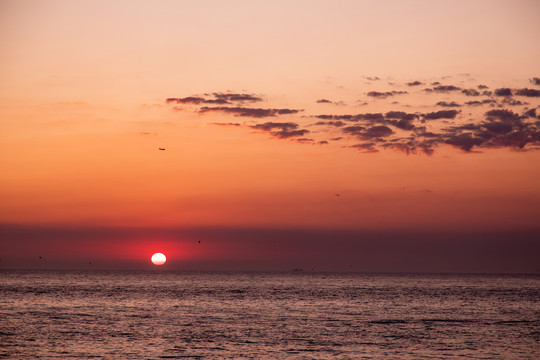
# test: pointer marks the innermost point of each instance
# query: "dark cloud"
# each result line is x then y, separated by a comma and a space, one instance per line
483, 102
502, 115
269, 126
464, 141
196, 100
337, 123
443, 114
358, 117
219, 98
513, 102
400, 130
482, 87
401, 115
285, 134
236, 97
370, 116
412, 146
535, 81
503, 92
470, 92
304, 140
443, 88
528, 92
401, 124
226, 124
448, 104
383, 95
377, 132
372, 78
415, 83
530, 113
365, 147
325, 117
282, 130
498, 127
354, 130
248, 112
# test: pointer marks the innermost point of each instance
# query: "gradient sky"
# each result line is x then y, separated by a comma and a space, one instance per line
326, 135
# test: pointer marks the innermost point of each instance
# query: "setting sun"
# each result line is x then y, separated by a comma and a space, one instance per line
158, 259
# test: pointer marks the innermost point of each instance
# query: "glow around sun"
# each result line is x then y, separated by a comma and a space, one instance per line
158, 259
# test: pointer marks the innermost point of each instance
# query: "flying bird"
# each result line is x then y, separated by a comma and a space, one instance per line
161, 148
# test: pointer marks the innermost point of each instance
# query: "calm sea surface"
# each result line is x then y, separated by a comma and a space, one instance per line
176, 315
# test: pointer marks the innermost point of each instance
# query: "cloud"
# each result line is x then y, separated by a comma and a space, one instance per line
384, 95
502, 115
448, 104
443, 114
337, 123
305, 140
358, 117
503, 92
400, 115
513, 102
530, 113
372, 78
464, 141
236, 97
470, 92
283, 130
196, 100
285, 134
443, 88
248, 112
399, 130
535, 81
415, 83
483, 102
412, 146
376, 132
226, 124
354, 130
401, 124
219, 98
528, 92
269, 126
365, 147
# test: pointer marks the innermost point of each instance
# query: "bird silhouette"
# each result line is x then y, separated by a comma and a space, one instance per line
161, 149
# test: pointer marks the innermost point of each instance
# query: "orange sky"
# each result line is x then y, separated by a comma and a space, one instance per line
83, 112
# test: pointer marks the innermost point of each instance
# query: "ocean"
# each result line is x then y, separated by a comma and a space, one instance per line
243, 315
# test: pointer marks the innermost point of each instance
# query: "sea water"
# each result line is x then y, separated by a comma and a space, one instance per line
297, 315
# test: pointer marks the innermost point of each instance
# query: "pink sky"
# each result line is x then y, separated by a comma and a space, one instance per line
396, 116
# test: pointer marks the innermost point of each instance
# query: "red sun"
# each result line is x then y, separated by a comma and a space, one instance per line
158, 259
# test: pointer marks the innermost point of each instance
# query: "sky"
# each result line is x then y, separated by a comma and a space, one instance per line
322, 135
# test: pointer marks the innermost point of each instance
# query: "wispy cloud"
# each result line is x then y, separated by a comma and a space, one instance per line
464, 127
384, 95
248, 112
